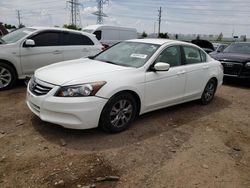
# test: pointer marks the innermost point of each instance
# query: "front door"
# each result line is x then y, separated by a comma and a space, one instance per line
164, 88
47, 50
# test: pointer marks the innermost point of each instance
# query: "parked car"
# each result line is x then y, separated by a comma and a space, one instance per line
110, 35
204, 44
122, 82
235, 60
219, 47
27, 49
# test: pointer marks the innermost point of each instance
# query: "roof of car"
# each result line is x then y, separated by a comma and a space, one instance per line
159, 41
55, 28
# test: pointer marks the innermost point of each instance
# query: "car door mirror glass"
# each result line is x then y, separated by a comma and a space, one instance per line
161, 66
29, 43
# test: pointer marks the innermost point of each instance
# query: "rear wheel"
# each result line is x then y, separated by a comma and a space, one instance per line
208, 93
7, 76
118, 113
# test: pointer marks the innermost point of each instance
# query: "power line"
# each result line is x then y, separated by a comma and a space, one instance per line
19, 18
159, 21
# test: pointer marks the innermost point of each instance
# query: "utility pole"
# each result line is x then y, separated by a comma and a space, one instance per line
159, 21
100, 13
19, 18
75, 18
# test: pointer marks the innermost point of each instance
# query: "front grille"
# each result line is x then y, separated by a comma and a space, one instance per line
38, 89
232, 68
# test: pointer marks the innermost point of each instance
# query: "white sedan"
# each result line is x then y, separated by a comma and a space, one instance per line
131, 78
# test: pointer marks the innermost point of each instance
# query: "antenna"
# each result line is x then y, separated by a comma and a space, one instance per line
100, 13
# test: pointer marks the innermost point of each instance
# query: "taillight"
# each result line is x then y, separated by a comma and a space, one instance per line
104, 46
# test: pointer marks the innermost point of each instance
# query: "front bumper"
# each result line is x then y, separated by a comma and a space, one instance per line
232, 69
73, 113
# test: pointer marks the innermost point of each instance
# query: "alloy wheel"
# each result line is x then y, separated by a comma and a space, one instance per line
5, 77
209, 91
121, 113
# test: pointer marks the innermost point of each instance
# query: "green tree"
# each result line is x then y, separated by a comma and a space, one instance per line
72, 26
144, 34
220, 37
9, 26
163, 35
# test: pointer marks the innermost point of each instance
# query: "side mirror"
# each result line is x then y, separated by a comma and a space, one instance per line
29, 43
161, 66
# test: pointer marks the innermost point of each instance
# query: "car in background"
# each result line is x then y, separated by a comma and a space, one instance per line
110, 35
27, 49
235, 60
130, 78
219, 47
206, 45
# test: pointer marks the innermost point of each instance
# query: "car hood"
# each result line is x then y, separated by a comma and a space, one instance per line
76, 71
235, 57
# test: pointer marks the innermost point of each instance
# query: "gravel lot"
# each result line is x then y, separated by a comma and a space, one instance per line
188, 145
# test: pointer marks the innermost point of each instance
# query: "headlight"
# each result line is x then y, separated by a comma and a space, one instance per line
248, 64
83, 90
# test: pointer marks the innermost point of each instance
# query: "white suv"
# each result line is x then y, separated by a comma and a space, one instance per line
26, 49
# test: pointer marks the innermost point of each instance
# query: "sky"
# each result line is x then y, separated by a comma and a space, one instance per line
231, 17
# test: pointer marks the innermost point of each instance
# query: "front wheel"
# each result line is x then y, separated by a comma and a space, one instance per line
118, 113
208, 93
7, 76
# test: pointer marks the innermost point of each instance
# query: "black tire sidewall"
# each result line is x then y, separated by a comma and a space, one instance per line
105, 123
13, 76
203, 100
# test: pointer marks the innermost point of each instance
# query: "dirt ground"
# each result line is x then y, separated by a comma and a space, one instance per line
188, 145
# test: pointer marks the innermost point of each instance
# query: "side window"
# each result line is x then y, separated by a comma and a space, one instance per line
98, 34
192, 55
47, 39
86, 40
71, 39
203, 56
170, 55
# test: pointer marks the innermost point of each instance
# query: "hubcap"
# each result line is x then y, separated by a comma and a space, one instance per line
209, 91
121, 113
5, 77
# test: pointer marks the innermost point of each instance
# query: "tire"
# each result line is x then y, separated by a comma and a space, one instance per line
118, 113
208, 93
8, 76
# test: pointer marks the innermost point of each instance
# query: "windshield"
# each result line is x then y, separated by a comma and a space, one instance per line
131, 54
242, 48
16, 35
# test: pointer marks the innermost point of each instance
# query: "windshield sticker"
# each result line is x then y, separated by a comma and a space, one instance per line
140, 56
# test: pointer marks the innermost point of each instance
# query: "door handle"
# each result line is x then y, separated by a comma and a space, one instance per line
181, 72
205, 67
57, 52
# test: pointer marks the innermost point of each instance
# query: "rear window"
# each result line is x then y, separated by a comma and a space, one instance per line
72, 39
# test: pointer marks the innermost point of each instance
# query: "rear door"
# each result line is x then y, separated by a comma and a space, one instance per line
77, 45
197, 71
47, 50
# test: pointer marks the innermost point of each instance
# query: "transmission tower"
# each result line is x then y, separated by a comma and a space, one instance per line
100, 13
75, 17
